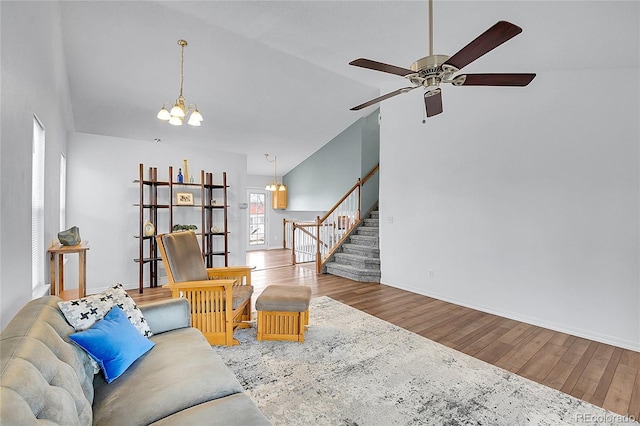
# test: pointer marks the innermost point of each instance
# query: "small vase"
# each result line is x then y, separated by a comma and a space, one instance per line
148, 229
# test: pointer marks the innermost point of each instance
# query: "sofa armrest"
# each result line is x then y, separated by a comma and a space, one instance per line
167, 315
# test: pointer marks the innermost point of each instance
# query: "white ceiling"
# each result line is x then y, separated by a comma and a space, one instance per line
273, 76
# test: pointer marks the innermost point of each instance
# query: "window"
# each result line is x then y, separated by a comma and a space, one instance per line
37, 206
63, 192
257, 218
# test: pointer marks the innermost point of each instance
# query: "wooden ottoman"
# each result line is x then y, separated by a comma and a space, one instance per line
283, 312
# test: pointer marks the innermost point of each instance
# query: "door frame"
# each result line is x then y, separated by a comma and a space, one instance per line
265, 244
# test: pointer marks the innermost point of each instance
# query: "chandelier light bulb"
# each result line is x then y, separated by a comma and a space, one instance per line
196, 116
176, 121
163, 114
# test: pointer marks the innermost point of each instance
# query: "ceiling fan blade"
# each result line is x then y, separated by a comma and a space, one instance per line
383, 97
495, 79
379, 66
433, 102
484, 43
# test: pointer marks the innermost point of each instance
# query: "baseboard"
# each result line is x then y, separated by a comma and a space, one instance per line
586, 334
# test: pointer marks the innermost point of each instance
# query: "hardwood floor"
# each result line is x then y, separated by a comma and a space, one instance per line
601, 374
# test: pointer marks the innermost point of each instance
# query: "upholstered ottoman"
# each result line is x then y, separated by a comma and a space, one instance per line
283, 312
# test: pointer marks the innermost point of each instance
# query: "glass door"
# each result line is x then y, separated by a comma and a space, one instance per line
257, 220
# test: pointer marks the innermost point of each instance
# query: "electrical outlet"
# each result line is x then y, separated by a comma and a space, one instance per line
389, 219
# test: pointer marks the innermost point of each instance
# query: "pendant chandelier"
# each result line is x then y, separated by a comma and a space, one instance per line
179, 111
275, 185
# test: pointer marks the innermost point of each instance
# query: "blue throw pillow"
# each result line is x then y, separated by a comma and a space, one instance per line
114, 343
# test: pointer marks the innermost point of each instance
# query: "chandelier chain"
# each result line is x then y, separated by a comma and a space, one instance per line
182, 44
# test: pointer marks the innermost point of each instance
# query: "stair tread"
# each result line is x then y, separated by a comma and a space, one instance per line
351, 268
359, 258
361, 247
371, 238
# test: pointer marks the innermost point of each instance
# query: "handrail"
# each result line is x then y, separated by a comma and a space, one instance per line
370, 174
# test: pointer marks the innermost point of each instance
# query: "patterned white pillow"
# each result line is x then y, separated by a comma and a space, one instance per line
83, 313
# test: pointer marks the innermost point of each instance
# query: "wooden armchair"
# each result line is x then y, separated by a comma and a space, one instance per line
220, 298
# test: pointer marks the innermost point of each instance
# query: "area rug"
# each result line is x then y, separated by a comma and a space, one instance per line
355, 369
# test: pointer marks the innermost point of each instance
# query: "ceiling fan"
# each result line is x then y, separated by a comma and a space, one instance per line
429, 72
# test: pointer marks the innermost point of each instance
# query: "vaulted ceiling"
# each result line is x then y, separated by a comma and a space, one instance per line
273, 76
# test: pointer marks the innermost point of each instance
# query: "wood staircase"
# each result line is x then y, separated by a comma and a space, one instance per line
358, 258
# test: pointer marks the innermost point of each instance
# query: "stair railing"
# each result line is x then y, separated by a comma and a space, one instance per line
338, 223
299, 236
317, 241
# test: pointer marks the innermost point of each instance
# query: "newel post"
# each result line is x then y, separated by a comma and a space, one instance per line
293, 243
318, 255
284, 233
359, 198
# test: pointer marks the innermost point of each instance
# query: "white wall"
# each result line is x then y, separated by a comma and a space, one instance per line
33, 82
275, 217
101, 196
523, 202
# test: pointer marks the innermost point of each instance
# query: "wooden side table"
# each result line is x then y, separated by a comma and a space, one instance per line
56, 263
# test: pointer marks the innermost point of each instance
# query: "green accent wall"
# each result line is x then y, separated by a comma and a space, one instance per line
322, 179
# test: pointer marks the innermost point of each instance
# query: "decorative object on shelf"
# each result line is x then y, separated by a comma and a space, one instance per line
178, 227
186, 170
148, 229
179, 110
215, 229
70, 237
184, 198
275, 185
180, 177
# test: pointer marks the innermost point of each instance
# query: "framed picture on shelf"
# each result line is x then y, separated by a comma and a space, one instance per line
184, 198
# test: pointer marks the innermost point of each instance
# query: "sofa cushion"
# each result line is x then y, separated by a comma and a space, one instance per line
83, 313
232, 410
42, 374
240, 295
181, 371
114, 343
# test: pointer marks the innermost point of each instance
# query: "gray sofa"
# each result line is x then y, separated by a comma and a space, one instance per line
46, 378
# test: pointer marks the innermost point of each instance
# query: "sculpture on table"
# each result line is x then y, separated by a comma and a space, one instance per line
70, 237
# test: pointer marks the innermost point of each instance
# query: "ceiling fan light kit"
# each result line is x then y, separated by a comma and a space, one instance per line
179, 110
433, 70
